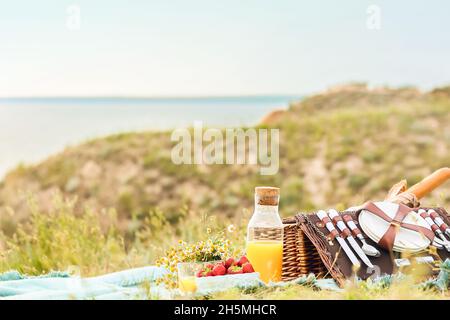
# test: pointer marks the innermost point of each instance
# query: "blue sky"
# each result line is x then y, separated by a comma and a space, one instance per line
189, 48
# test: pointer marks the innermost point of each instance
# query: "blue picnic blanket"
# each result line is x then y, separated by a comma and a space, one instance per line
127, 284
140, 283
137, 283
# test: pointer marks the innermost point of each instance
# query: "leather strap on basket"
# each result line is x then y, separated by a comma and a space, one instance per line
387, 240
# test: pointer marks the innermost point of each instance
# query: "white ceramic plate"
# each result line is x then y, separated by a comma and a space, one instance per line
406, 240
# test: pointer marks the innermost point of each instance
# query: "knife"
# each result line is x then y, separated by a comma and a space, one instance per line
334, 215
334, 234
440, 223
434, 227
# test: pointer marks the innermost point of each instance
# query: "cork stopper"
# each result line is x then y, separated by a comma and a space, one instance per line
267, 196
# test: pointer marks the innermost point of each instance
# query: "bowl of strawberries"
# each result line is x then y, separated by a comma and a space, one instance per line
221, 275
230, 266
216, 275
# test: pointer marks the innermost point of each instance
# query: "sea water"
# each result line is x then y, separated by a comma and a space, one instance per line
31, 129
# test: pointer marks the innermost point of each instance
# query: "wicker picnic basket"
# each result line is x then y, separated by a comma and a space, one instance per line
304, 252
300, 257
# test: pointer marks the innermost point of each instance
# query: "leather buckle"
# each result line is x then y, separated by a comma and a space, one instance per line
396, 224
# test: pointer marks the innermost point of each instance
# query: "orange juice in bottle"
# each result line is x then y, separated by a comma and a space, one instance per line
265, 235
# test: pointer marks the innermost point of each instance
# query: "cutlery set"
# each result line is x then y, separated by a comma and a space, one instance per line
442, 241
440, 223
343, 229
332, 219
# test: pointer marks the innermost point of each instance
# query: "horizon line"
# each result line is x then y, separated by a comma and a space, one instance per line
255, 95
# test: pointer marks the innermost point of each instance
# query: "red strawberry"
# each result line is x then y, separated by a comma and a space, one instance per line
234, 270
209, 273
247, 268
219, 270
229, 262
209, 266
243, 260
199, 274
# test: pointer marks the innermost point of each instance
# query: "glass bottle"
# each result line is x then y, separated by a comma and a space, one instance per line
265, 235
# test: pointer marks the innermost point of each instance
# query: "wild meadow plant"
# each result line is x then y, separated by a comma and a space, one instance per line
90, 243
61, 240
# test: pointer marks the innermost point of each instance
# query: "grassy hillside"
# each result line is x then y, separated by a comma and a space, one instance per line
337, 149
